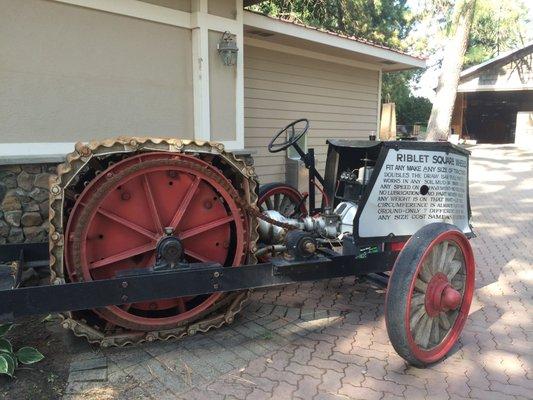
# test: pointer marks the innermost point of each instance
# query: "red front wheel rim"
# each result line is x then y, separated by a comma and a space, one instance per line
435, 316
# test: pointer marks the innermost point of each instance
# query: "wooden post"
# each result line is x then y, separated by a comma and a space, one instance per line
387, 128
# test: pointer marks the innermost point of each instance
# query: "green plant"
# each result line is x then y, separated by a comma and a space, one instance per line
9, 359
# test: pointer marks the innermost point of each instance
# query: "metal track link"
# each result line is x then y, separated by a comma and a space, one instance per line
88, 157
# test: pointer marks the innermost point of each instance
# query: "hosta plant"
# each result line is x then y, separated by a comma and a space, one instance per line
9, 359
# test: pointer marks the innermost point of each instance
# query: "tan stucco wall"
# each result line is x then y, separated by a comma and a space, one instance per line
182, 5
222, 8
339, 100
69, 73
222, 93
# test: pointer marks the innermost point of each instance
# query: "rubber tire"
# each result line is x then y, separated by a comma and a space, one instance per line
264, 189
398, 289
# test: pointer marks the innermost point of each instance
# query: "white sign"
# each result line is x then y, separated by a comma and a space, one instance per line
415, 188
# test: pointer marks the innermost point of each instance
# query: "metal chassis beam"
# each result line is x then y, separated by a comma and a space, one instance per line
146, 285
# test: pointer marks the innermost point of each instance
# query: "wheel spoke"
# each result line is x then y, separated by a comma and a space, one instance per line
416, 316
277, 199
185, 202
205, 227
423, 331
268, 202
421, 286
152, 205
452, 269
435, 333
197, 256
451, 254
435, 260
284, 204
417, 300
425, 273
291, 210
458, 283
122, 221
123, 255
432, 264
443, 255
444, 321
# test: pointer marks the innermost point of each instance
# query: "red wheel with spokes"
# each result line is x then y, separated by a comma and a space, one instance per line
283, 198
429, 294
120, 217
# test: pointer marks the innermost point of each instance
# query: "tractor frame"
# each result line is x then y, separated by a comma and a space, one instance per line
364, 253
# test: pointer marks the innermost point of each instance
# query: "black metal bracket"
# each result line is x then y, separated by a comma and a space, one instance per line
33, 253
309, 162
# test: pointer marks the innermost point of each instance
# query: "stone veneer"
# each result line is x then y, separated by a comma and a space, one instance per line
24, 202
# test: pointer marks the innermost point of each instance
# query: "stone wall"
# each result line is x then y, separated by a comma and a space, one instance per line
24, 202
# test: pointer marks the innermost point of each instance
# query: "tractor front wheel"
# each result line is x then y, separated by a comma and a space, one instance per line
429, 294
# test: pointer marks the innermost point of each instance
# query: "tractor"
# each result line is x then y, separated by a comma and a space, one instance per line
159, 238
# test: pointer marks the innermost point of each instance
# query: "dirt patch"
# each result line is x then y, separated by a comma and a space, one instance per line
46, 379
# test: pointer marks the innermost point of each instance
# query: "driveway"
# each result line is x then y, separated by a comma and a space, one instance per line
327, 340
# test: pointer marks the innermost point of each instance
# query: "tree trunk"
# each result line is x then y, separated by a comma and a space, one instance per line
441, 113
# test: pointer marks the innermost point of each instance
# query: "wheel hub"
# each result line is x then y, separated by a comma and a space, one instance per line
441, 296
169, 251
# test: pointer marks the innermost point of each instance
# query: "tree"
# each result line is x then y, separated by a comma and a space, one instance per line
385, 22
498, 26
410, 109
413, 111
441, 113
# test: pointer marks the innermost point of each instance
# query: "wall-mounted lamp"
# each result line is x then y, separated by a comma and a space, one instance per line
227, 48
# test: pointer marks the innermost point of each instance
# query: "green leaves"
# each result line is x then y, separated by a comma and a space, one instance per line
7, 364
29, 355
4, 366
5, 346
9, 360
4, 328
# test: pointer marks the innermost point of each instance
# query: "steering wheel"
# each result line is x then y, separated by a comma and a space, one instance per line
293, 132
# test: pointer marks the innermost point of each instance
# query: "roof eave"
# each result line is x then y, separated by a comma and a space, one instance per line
501, 59
401, 61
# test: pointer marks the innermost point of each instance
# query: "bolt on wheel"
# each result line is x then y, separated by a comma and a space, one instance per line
429, 294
